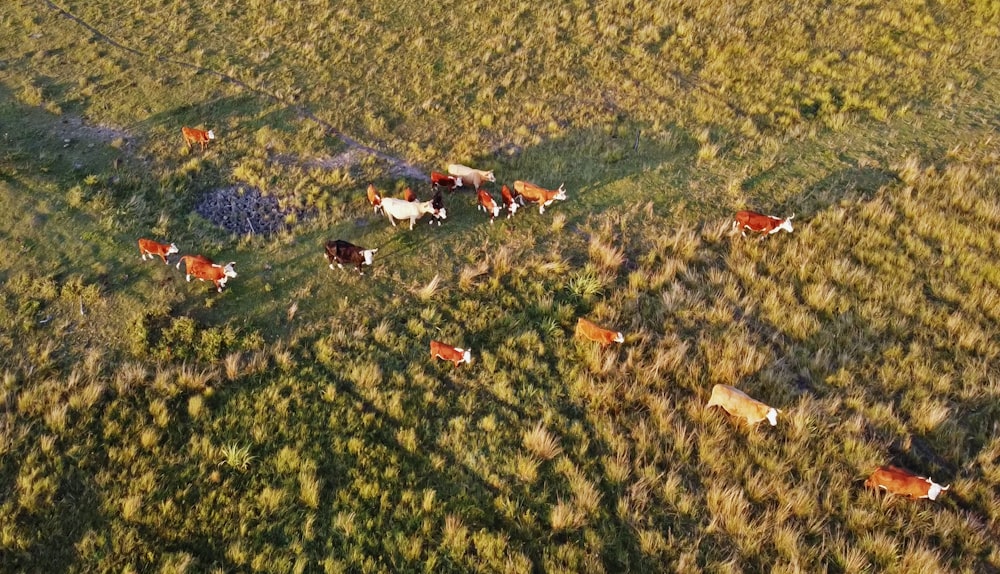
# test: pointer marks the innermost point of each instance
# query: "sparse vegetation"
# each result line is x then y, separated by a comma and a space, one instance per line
294, 422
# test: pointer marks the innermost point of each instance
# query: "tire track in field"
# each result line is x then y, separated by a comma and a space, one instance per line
397, 165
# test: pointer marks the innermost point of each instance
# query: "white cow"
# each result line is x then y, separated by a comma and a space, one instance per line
471, 176
400, 209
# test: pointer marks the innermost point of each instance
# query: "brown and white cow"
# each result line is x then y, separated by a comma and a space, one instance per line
509, 201
446, 352
196, 136
153, 248
408, 195
760, 223
487, 204
345, 253
895, 480
374, 198
591, 331
446, 181
201, 267
535, 194
471, 176
739, 404
398, 209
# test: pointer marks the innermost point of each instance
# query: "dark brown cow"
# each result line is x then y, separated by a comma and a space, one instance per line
344, 253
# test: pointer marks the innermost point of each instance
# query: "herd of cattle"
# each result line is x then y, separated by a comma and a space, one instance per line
341, 252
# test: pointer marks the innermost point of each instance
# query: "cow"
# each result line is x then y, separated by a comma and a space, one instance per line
446, 181
904, 483
342, 252
201, 267
739, 404
533, 193
398, 209
437, 202
152, 249
374, 198
408, 195
589, 330
760, 223
470, 176
487, 204
509, 201
446, 352
193, 135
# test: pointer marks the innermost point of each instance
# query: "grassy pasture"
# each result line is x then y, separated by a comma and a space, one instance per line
294, 422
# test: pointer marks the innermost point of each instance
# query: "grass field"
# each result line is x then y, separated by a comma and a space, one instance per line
294, 422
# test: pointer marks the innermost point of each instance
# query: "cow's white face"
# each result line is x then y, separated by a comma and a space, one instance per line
211, 134
490, 177
229, 270
458, 182
441, 213
786, 225
172, 249
496, 210
369, 255
466, 356
935, 489
619, 338
772, 416
513, 207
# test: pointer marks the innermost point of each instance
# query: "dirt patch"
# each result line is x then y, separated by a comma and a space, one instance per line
72, 128
352, 157
244, 209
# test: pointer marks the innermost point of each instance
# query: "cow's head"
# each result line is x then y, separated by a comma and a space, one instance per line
441, 213
369, 255
935, 489
458, 182
560, 193
490, 177
786, 224
172, 249
496, 210
466, 355
619, 337
229, 269
211, 134
772, 416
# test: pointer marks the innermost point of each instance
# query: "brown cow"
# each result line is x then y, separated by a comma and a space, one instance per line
760, 223
446, 352
153, 248
374, 198
533, 193
904, 483
446, 181
588, 330
739, 404
201, 267
487, 204
509, 201
193, 135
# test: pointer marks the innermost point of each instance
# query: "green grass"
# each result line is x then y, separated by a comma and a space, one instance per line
296, 423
